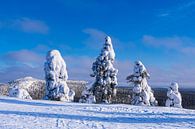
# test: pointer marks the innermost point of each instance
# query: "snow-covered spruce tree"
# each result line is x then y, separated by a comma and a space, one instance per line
105, 74
142, 92
56, 77
174, 97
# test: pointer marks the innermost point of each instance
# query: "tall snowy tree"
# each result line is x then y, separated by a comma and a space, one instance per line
105, 76
56, 77
142, 93
174, 97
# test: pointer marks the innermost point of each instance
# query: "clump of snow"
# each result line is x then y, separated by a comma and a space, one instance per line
174, 96
19, 93
105, 74
142, 92
56, 77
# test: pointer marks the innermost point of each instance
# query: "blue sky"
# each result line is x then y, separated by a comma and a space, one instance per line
160, 33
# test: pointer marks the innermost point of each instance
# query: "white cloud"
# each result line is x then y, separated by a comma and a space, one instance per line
27, 25
168, 42
26, 57
180, 73
178, 10
96, 37
183, 45
79, 68
31, 25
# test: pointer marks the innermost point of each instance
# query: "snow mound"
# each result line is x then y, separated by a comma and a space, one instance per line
174, 96
34, 87
41, 114
19, 93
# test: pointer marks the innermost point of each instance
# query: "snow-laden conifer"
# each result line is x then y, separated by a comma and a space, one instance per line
56, 77
142, 92
105, 74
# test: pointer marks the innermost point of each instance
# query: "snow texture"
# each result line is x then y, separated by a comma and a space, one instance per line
19, 93
174, 96
56, 77
42, 114
142, 92
105, 74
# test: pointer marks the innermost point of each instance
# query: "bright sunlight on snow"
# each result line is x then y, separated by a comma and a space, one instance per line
43, 114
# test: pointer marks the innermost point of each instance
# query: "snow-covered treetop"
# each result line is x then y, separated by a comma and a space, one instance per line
53, 53
174, 86
108, 50
55, 62
139, 68
139, 72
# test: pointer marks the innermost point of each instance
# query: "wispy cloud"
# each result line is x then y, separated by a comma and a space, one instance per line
25, 57
25, 24
79, 68
96, 37
14, 72
188, 50
180, 73
168, 42
19, 64
184, 45
179, 10
31, 25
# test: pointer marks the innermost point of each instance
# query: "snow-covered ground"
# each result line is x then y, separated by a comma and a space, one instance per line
42, 114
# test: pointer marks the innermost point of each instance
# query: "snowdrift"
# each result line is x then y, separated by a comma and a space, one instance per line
42, 114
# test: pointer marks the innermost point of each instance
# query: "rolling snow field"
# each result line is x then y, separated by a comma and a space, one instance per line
42, 114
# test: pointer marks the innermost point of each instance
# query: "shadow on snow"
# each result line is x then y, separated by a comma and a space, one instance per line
99, 119
139, 114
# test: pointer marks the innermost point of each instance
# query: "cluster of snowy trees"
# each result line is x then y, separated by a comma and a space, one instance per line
104, 86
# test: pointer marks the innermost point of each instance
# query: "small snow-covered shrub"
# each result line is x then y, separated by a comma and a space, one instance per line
174, 97
19, 93
56, 77
142, 92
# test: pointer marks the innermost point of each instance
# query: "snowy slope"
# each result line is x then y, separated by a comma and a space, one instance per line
41, 114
